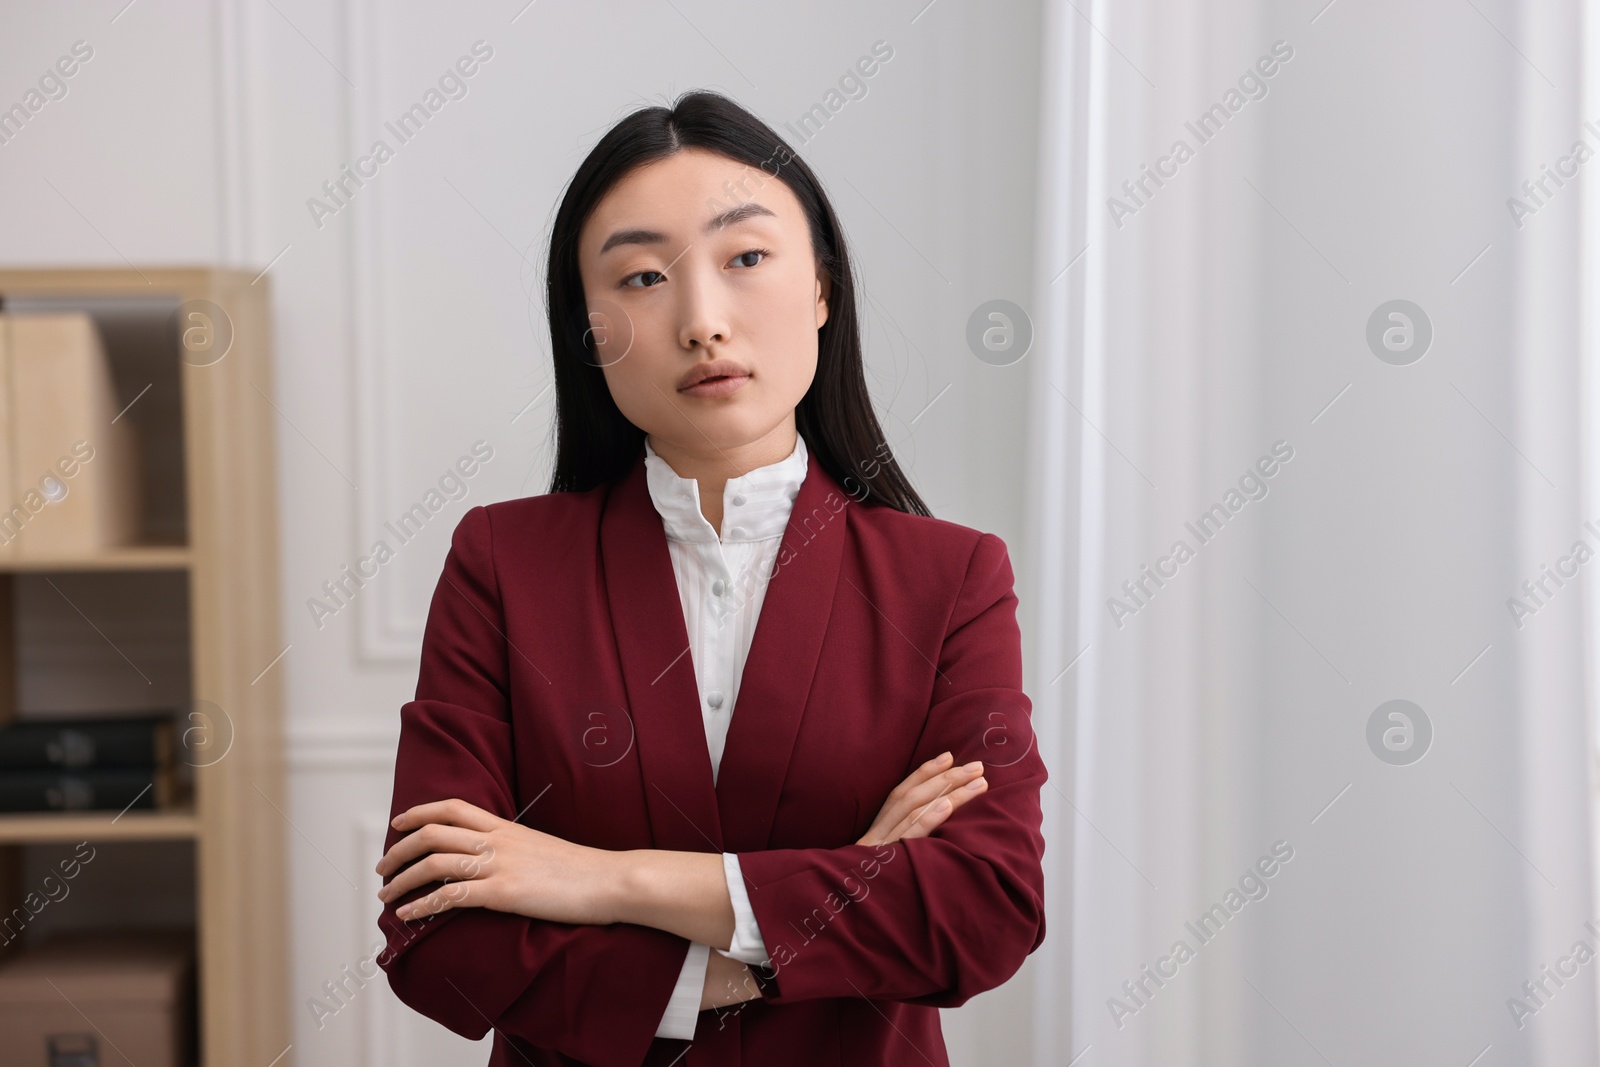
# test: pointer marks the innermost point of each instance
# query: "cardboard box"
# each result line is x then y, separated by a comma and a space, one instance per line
69, 463
111, 999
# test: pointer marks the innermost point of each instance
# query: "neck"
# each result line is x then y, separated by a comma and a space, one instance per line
711, 467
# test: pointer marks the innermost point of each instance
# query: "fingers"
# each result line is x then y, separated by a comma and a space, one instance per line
450, 895
925, 819
921, 788
435, 867
453, 812
916, 778
928, 817
932, 767
939, 785
433, 837
899, 803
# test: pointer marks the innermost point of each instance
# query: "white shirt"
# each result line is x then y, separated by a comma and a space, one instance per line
721, 585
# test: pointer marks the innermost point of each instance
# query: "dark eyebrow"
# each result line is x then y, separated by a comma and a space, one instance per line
727, 218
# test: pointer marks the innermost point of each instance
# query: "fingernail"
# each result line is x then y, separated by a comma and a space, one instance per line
941, 806
975, 765
974, 785
943, 757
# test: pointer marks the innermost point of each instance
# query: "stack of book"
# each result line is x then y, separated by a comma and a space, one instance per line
87, 764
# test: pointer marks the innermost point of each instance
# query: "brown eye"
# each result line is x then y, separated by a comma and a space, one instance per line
626, 282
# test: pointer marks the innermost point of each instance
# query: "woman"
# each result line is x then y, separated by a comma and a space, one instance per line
609, 770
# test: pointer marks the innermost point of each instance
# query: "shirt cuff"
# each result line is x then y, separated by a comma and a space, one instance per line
683, 1010
748, 946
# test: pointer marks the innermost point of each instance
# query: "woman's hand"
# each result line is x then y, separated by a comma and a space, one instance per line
489, 862
728, 981
925, 800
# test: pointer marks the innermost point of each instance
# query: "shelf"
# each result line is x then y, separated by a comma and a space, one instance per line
208, 558
130, 558
70, 826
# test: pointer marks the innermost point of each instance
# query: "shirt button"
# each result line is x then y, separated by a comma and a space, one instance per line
714, 698
718, 587
737, 532
738, 500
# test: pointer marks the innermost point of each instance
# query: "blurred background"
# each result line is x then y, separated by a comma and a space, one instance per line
1260, 332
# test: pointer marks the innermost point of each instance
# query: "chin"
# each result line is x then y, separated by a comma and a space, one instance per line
730, 433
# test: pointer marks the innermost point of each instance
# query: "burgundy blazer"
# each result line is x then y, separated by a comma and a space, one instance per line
556, 688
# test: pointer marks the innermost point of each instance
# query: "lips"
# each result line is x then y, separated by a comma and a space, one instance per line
715, 387
715, 378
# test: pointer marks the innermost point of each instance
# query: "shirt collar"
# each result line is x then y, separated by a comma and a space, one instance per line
755, 506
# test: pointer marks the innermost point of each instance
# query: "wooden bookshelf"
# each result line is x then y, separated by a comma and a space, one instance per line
128, 558
179, 824
227, 557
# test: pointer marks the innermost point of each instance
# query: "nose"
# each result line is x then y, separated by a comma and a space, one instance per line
704, 320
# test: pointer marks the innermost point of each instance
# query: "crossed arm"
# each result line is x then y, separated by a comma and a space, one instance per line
486, 861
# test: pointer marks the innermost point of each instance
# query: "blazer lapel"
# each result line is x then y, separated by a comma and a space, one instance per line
687, 812
657, 669
776, 683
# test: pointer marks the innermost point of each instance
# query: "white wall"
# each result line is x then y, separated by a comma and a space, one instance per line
1230, 711
408, 323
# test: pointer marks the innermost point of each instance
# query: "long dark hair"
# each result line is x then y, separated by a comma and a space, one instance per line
595, 442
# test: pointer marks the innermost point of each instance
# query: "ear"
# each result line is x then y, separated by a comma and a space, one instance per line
824, 293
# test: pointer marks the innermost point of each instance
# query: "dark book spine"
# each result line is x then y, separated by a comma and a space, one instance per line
93, 790
76, 746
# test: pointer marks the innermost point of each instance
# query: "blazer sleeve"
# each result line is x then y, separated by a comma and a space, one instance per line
594, 993
938, 919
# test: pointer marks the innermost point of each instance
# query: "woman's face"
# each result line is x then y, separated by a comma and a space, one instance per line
697, 262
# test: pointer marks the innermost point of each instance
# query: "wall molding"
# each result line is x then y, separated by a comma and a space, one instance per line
387, 631
340, 751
